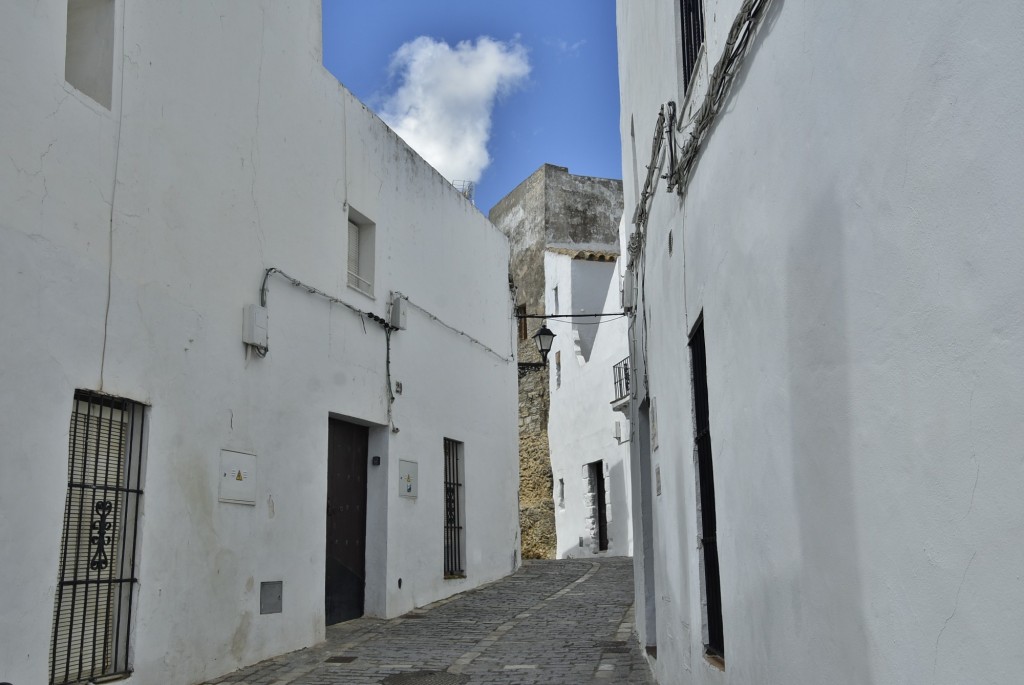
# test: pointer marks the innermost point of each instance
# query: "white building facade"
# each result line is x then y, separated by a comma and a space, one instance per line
825, 273
588, 425
200, 503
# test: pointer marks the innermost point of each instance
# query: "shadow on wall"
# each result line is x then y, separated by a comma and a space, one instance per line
829, 595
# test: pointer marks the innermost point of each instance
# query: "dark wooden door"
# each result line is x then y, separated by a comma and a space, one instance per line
602, 506
345, 576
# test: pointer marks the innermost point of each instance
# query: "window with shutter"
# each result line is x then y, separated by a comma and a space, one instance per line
96, 583
361, 233
353, 250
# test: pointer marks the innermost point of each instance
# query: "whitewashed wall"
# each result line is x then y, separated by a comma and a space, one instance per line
852, 236
581, 421
234, 151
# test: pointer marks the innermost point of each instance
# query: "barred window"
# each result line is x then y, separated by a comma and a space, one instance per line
691, 20
454, 511
96, 578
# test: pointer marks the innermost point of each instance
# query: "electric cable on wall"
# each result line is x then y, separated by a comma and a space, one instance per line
438, 321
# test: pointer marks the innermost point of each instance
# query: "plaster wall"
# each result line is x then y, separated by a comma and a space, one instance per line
591, 283
229, 149
581, 425
851, 235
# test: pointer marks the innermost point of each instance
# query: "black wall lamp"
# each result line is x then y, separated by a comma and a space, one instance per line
543, 338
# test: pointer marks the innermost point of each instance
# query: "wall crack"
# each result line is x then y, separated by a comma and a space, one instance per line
956, 605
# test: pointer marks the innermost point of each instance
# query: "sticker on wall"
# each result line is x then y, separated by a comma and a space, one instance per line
407, 478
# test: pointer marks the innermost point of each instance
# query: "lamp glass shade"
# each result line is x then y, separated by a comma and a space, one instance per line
543, 338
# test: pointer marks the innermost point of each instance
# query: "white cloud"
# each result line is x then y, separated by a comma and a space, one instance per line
442, 107
565, 47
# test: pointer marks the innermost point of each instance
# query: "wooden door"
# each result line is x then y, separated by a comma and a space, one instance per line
345, 575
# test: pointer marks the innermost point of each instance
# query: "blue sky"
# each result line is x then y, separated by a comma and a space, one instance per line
543, 71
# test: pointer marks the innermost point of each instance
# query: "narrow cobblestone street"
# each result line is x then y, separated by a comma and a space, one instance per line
566, 621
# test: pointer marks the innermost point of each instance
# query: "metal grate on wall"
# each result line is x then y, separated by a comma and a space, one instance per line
96, 579
620, 376
692, 25
454, 503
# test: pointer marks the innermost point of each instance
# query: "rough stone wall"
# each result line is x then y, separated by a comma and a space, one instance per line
554, 207
536, 500
521, 216
582, 210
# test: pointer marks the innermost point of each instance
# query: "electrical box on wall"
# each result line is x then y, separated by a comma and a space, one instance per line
238, 478
399, 307
408, 479
254, 325
271, 596
628, 293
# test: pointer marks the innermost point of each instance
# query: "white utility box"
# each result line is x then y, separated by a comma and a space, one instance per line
254, 325
237, 477
399, 307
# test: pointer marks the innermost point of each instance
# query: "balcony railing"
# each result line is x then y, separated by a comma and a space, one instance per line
620, 374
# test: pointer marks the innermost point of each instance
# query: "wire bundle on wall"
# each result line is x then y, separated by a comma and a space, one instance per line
682, 159
438, 321
736, 45
320, 293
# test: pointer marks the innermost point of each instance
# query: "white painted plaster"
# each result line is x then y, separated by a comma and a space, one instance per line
581, 421
234, 151
852, 236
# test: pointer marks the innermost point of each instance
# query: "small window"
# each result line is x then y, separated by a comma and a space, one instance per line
361, 235
89, 51
561, 493
454, 510
92, 618
558, 369
691, 20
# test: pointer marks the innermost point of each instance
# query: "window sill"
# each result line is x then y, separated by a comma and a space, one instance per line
367, 293
455, 576
714, 660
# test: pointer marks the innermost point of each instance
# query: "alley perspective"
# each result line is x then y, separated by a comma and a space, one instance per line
281, 405
550, 622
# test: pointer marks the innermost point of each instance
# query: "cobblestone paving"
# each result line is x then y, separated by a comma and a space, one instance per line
559, 622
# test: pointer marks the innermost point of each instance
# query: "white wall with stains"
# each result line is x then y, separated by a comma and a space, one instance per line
132, 236
852, 237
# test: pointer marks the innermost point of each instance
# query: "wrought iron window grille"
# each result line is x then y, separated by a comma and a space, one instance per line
620, 376
692, 25
454, 504
95, 594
